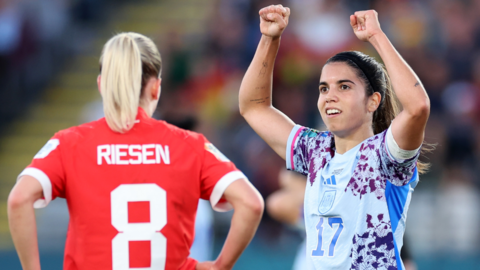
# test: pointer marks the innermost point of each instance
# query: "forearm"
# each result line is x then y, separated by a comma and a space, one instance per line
255, 98
242, 229
406, 84
22, 224
256, 87
284, 206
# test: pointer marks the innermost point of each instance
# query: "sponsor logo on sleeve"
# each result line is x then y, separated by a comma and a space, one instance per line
49, 147
212, 149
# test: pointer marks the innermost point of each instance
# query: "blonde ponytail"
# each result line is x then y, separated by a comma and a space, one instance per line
121, 81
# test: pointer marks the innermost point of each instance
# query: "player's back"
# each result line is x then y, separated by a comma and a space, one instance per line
132, 197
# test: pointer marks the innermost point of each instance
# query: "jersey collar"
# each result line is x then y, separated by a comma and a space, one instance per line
141, 114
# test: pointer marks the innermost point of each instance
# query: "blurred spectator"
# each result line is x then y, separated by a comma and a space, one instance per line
10, 27
321, 25
33, 46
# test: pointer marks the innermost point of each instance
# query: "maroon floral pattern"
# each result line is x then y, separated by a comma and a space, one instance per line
313, 150
375, 166
372, 248
366, 178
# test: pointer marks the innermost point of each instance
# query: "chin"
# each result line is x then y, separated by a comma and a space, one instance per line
334, 129
337, 130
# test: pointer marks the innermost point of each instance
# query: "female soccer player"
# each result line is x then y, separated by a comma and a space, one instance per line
132, 183
361, 172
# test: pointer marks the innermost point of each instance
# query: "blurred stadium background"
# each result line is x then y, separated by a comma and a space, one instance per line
49, 54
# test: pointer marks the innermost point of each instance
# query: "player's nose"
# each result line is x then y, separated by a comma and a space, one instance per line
331, 96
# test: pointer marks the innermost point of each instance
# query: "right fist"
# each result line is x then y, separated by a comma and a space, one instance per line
273, 20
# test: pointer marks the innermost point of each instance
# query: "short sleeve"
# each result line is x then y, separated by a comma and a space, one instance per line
47, 168
399, 171
299, 144
217, 173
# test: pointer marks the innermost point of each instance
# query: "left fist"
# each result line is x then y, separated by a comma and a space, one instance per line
365, 24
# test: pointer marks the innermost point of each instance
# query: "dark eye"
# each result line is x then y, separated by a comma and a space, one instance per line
344, 87
323, 89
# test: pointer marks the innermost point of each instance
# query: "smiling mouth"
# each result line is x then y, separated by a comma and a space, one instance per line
333, 111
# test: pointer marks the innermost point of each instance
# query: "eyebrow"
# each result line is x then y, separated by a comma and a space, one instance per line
338, 82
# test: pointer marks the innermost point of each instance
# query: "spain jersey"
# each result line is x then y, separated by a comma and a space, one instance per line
355, 203
132, 197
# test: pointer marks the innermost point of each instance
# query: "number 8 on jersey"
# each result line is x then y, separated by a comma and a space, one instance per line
157, 197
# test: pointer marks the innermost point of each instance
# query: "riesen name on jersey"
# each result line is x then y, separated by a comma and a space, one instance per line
133, 154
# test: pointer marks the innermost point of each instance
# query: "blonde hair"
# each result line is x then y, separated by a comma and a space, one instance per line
127, 62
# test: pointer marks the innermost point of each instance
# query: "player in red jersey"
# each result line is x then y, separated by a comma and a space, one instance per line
131, 183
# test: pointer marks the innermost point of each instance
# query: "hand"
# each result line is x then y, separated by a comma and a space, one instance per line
365, 24
273, 20
207, 266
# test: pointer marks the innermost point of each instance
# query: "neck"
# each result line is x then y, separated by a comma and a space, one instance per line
343, 143
149, 108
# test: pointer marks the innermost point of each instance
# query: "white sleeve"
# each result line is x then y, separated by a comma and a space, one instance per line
44, 181
292, 139
395, 151
220, 188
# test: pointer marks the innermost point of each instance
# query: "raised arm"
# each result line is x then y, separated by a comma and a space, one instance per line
256, 89
21, 219
408, 128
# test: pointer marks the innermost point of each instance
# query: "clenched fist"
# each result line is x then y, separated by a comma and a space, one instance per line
273, 20
365, 24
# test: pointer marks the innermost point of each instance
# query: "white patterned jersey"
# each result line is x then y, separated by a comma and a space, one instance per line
355, 203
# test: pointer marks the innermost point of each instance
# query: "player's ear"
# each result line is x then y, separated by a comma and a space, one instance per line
99, 78
374, 102
155, 88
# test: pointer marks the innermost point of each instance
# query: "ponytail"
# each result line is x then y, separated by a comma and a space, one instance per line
384, 115
128, 61
388, 109
121, 79
376, 79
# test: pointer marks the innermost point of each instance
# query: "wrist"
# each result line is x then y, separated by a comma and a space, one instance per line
221, 265
271, 38
270, 43
377, 38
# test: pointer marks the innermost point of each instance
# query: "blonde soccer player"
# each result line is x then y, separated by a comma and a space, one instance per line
132, 183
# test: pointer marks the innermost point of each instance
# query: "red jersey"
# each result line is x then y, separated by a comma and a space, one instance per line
132, 197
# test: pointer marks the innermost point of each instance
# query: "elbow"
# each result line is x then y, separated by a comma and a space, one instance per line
273, 208
16, 200
277, 209
422, 109
243, 105
20, 197
255, 205
242, 110
245, 198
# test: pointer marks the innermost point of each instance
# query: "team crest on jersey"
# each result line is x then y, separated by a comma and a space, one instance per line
327, 201
49, 147
212, 149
